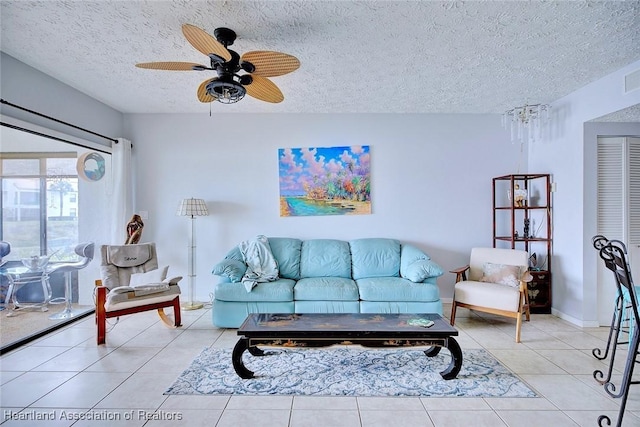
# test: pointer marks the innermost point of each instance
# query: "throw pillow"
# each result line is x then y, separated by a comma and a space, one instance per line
152, 276
422, 269
231, 268
502, 274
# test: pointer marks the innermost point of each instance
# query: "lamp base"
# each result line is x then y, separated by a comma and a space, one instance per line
191, 305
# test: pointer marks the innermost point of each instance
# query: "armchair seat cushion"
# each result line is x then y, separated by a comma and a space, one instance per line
121, 301
490, 295
396, 289
276, 291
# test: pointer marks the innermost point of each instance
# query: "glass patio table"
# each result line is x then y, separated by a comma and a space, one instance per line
19, 277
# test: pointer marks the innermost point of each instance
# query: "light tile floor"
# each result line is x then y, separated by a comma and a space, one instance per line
65, 379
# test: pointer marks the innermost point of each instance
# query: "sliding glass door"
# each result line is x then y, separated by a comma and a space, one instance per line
55, 195
39, 203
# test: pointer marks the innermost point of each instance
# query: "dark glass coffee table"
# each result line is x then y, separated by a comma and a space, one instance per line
368, 330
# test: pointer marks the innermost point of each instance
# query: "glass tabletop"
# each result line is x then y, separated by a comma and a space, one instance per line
22, 270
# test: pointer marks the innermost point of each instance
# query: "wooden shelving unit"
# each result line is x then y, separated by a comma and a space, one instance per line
522, 220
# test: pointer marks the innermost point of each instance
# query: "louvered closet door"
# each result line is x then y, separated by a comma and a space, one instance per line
633, 145
618, 210
611, 217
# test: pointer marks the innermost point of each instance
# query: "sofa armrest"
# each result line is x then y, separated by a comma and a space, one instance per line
461, 273
422, 269
231, 268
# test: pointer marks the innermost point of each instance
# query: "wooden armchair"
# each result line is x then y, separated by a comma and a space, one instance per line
496, 284
131, 283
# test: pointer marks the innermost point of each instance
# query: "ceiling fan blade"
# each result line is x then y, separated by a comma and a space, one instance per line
271, 64
203, 96
204, 42
170, 66
264, 89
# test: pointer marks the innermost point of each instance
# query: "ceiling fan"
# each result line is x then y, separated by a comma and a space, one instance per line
229, 86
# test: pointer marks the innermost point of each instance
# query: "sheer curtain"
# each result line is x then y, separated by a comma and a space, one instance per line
122, 194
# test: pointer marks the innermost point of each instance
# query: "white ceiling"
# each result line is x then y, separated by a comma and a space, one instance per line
357, 56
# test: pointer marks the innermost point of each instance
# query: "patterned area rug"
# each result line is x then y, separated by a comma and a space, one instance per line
349, 371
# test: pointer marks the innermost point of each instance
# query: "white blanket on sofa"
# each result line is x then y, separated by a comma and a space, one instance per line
261, 265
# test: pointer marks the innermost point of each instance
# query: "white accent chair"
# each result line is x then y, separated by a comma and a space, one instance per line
508, 297
131, 283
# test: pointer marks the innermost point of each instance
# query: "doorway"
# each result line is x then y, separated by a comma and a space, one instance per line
618, 217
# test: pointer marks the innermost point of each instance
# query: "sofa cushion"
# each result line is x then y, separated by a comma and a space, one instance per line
325, 258
375, 258
230, 268
278, 290
408, 255
422, 269
326, 289
287, 252
396, 289
235, 253
327, 306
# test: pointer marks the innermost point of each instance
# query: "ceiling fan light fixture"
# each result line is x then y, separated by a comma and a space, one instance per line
226, 92
216, 59
246, 79
247, 66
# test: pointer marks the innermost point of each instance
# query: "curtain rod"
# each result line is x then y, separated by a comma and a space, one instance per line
52, 137
56, 120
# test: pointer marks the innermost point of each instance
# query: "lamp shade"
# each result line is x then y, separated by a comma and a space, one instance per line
192, 207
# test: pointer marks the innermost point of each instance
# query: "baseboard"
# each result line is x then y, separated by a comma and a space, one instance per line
573, 320
557, 313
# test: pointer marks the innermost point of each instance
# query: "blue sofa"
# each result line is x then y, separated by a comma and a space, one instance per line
374, 275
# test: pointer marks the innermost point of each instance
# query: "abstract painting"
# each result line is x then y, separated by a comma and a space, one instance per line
325, 181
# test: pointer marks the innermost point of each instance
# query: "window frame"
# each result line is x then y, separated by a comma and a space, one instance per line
42, 178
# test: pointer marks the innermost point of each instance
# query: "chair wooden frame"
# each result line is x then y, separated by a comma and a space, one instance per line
523, 303
102, 315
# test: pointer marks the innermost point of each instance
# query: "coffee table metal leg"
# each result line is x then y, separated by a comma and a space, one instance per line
433, 351
255, 351
236, 359
456, 360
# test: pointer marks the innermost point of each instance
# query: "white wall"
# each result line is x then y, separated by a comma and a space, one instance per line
574, 287
29, 88
431, 174
431, 180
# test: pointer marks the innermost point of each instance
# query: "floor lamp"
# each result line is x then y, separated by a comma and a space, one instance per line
193, 208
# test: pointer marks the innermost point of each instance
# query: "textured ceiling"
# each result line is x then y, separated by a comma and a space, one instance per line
631, 114
357, 56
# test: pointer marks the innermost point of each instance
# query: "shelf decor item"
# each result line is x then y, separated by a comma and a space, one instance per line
192, 207
520, 196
